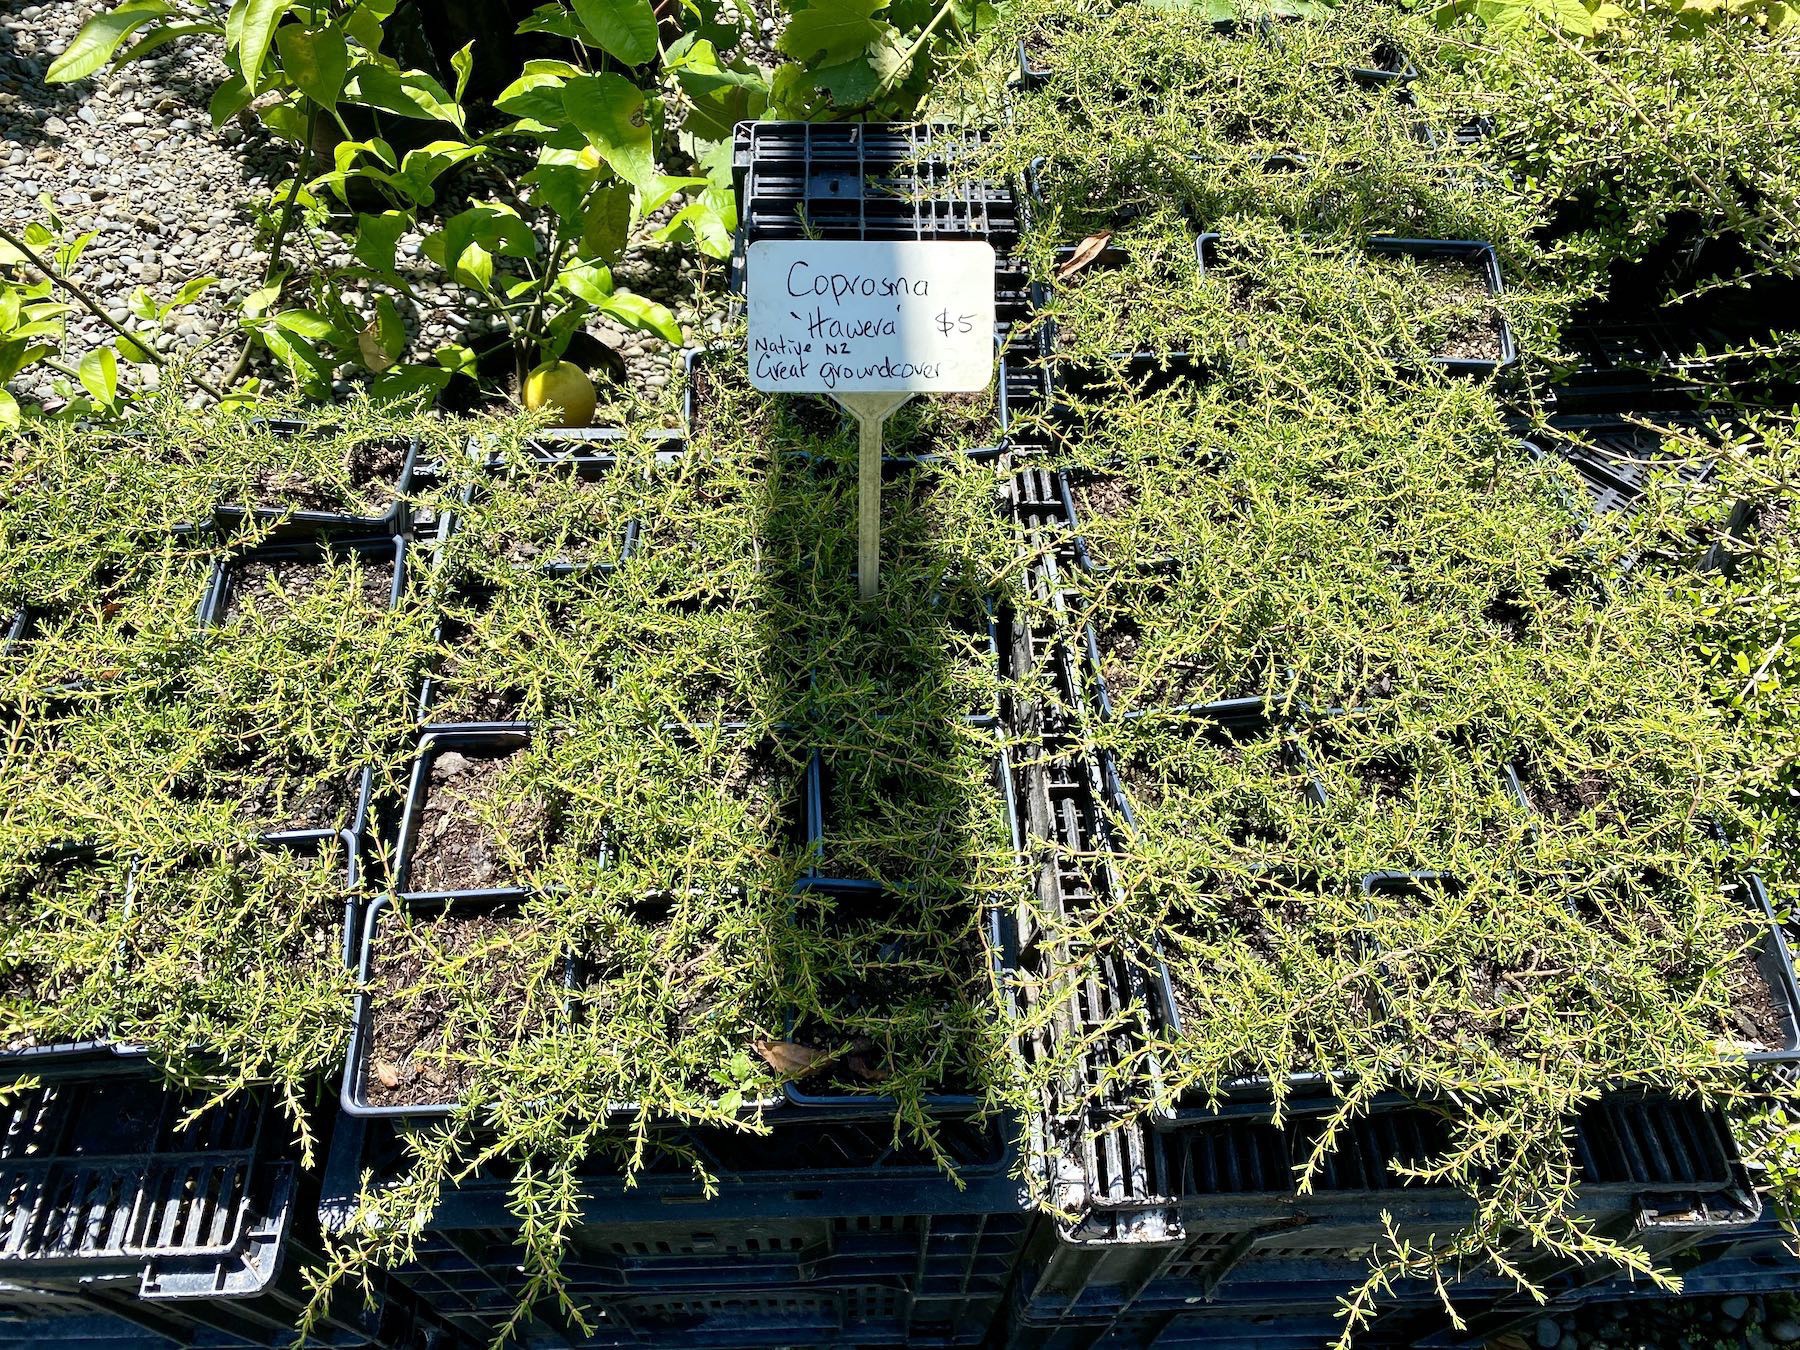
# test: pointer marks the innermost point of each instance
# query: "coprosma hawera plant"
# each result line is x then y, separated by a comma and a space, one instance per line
1471, 677
1370, 540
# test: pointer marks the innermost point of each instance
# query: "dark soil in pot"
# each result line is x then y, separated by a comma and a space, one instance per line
573, 520
29, 978
419, 1051
1489, 987
1470, 331
1105, 498
1098, 500
454, 848
278, 797
1509, 616
464, 694
1755, 1015
1564, 800
1388, 775
270, 589
372, 471
1131, 682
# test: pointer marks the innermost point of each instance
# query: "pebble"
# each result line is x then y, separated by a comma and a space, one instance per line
1735, 1307
1786, 1330
1549, 1333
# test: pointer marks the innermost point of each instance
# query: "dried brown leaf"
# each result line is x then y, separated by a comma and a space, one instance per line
791, 1058
868, 1063
1085, 252
387, 1074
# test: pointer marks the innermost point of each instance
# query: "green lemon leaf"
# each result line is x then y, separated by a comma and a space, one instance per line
255, 33
99, 38
634, 311
408, 93
315, 60
587, 281
609, 110
536, 94
228, 100
409, 383
831, 32
99, 374
606, 224
377, 237
623, 29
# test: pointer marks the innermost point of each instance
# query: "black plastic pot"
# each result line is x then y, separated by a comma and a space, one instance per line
852, 896
1484, 260
354, 826
479, 737
1388, 67
1774, 961
1031, 75
1248, 1261
846, 1096
1067, 484
1024, 397
587, 455
818, 821
1093, 658
315, 547
178, 1206
1232, 720
297, 519
1146, 373
353, 1097
68, 1059
822, 1230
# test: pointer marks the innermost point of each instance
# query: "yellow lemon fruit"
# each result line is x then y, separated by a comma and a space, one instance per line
564, 386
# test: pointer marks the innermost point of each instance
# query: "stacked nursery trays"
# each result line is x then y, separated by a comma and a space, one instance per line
131, 1215
1188, 1226
830, 1217
133, 1211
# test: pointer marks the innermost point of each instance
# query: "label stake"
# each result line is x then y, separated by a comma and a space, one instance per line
871, 412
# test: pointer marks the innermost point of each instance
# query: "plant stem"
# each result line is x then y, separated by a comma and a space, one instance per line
282, 225
906, 58
92, 306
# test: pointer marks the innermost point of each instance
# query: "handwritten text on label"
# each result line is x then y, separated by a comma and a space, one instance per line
837, 318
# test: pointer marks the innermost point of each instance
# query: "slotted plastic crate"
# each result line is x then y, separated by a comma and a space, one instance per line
108, 1171
938, 1279
1618, 459
123, 1221
824, 1229
849, 180
392, 519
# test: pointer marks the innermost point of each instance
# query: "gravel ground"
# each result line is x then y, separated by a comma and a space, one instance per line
133, 155
1738, 1322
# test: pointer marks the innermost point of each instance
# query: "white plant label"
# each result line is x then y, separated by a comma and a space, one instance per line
857, 318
